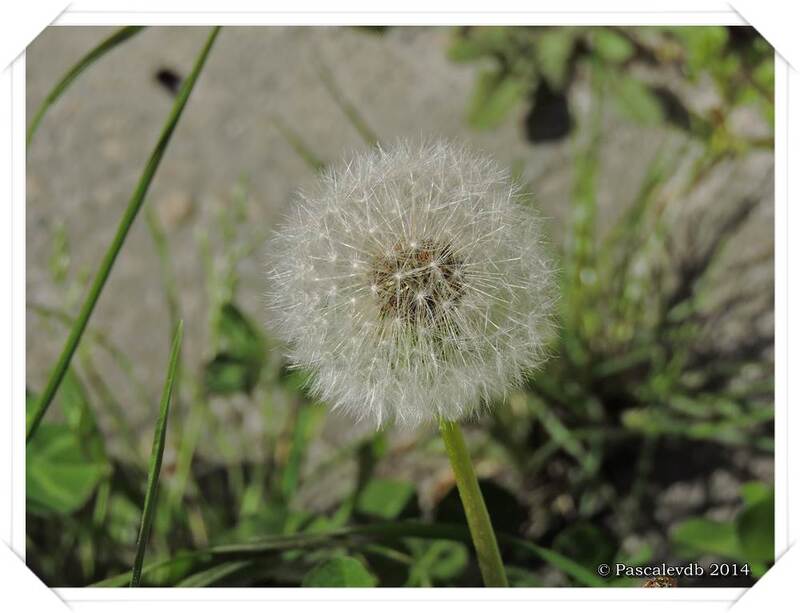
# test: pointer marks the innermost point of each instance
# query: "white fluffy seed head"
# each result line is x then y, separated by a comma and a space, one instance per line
412, 283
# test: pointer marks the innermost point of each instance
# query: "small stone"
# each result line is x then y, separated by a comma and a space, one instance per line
680, 499
175, 208
723, 487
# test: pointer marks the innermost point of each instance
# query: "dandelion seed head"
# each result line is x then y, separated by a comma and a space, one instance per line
431, 290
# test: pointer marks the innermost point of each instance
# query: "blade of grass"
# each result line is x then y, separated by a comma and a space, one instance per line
125, 224
87, 60
109, 400
168, 283
214, 574
115, 353
155, 458
307, 418
350, 111
299, 146
580, 275
361, 535
199, 414
563, 436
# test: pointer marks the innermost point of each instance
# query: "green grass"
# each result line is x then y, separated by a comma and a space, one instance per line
365, 535
156, 457
128, 217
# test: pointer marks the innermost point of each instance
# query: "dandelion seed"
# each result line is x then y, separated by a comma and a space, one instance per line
439, 292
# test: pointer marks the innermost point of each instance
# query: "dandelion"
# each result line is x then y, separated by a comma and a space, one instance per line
413, 284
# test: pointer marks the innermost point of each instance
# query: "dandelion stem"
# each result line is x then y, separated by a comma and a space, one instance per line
480, 525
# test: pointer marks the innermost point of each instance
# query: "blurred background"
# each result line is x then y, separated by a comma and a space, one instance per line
648, 437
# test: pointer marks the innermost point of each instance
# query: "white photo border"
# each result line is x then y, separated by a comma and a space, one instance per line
12, 104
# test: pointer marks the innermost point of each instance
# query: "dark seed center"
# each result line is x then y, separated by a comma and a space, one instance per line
417, 283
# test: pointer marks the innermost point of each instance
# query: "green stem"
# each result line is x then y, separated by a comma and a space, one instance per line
480, 525
125, 224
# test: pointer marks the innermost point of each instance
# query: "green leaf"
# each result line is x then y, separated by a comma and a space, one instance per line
611, 46
750, 538
755, 527
704, 46
634, 100
227, 374
707, 536
240, 354
764, 74
385, 498
474, 43
60, 476
237, 335
436, 561
446, 560
79, 415
495, 94
753, 492
340, 572
553, 51
465, 49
